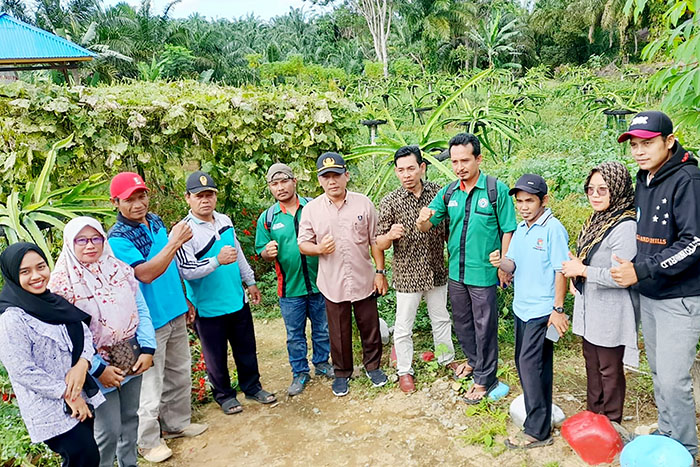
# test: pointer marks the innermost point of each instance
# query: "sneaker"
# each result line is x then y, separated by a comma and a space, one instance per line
157, 454
190, 431
340, 386
298, 384
324, 369
377, 377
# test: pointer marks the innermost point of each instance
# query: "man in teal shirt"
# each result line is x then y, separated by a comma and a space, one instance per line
473, 226
276, 240
214, 268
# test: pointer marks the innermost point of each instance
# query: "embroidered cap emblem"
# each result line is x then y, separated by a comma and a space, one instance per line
639, 121
328, 162
203, 180
137, 181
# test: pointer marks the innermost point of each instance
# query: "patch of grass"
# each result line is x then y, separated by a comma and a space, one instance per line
487, 420
269, 306
362, 386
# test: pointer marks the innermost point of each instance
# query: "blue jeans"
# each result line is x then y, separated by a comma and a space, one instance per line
295, 310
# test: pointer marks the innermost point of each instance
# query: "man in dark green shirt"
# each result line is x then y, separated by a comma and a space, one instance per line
276, 240
473, 228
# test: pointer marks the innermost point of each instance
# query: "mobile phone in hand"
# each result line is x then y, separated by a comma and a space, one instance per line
552, 333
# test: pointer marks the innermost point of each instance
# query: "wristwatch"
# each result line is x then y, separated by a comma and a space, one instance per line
558, 309
380, 271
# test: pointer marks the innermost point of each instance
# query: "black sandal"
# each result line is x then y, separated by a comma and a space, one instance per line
232, 406
528, 442
262, 396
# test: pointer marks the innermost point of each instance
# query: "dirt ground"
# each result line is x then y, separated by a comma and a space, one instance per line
368, 427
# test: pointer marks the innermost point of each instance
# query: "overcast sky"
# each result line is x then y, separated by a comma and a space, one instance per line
228, 9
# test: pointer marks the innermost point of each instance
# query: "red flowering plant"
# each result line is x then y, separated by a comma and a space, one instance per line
201, 387
6, 393
201, 393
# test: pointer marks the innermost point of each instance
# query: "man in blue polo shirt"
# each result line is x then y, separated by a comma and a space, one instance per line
535, 256
214, 268
140, 239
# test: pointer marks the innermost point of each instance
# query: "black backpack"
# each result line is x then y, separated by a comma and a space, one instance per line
492, 191
270, 212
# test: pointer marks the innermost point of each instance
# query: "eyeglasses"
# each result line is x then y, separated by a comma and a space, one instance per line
601, 190
96, 240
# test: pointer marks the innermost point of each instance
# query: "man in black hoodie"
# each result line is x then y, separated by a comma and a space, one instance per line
666, 270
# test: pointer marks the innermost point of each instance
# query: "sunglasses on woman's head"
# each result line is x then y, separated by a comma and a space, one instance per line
96, 240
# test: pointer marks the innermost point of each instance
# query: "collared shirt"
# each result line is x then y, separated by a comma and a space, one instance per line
346, 274
203, 274
136, 243
419, 257
296, 273
473, 230
538, 252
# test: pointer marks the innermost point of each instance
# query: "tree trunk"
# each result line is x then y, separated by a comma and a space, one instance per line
591, 33
377, 14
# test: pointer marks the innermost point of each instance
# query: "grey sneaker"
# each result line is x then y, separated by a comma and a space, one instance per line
340, 386
377, 377
324, 369
298, 384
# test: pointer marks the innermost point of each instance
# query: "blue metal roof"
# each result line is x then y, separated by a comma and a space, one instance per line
23, 43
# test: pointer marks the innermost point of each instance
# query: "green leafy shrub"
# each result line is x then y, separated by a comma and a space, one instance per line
15, 445
295, 68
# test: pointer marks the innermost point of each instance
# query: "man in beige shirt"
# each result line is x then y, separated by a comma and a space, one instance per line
340, 228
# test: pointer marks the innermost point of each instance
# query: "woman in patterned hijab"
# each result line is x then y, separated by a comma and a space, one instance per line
604, 313
88, 275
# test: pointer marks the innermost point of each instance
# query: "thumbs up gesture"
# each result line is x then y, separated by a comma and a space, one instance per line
624, 274
574, 267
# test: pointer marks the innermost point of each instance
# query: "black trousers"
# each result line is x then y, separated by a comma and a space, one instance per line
605, 376
533, 358
77, 446
475, 318
216, 334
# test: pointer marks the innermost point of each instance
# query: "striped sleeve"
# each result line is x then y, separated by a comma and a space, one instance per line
190, 267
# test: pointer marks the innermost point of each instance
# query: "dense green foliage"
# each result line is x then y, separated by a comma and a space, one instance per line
159, 101
157, 128
434, 36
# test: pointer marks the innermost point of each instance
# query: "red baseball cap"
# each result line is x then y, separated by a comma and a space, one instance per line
124, 184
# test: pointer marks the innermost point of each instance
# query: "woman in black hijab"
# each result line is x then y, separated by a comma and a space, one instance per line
46, 348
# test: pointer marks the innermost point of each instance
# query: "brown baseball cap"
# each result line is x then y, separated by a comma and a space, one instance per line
279, 168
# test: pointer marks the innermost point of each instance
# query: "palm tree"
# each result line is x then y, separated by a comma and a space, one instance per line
433, 28
496, 36
16, 8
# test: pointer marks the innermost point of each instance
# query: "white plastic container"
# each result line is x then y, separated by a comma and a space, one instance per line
517, 413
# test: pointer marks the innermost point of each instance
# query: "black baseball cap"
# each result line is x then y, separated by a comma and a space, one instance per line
330, 162
646, 125
530, 183
200, 181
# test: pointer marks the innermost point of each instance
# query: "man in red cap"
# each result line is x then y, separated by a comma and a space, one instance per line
140, 239
666, 268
